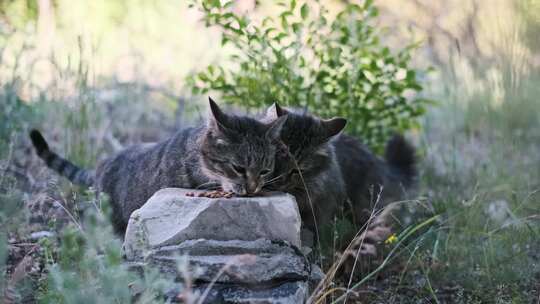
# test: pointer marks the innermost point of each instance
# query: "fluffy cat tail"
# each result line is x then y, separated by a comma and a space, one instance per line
63, 166
401, 157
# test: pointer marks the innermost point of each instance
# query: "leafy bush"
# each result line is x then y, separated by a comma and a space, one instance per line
335, 66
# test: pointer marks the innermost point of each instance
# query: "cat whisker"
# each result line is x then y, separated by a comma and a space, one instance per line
273, 180
209, 184
277, 177
270, 183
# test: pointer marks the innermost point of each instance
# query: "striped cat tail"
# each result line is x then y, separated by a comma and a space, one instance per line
63, 166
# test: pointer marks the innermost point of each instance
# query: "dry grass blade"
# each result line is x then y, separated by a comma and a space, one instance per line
310, 205
402, 238
19, 273
358, 238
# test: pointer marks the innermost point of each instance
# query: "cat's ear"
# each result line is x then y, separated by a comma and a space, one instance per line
217, 117
275, 111
333, 126
274, 131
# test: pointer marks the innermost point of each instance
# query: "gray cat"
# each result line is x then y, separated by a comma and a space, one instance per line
329, 172
236, 153
307, 166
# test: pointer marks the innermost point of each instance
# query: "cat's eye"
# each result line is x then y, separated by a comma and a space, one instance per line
239, 170
265, 171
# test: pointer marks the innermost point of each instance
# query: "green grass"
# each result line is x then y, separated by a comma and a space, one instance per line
479, 185
481, 174
480, 178
474, 156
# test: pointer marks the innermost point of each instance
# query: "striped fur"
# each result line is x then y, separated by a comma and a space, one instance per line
337, 171
207, 155
63, 166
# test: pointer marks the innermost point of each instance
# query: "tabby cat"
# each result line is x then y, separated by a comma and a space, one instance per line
307, 166
236, 153
328, 171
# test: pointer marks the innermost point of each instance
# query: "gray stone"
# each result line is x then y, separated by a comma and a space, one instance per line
316, 276
236, 250
260, 271
215, 247
42, 234
282, 293
244, 262
170, 217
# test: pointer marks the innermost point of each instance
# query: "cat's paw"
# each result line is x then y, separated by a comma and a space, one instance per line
364, 252
366, 243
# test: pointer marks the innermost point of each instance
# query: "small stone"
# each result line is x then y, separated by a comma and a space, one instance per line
41, 234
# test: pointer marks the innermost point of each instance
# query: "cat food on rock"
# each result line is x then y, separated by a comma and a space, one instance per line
212, 194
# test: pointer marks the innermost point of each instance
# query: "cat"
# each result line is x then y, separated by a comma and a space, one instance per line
307, 167
234, 152
372, 181
329, 172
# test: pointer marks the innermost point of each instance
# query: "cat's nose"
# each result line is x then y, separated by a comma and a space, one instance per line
252, 186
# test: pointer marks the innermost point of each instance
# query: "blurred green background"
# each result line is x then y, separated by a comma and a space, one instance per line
99, 75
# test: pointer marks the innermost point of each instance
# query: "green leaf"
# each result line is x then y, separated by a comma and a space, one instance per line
304, 11
344, 68
296, 27
224, 40
370, 77
284, 22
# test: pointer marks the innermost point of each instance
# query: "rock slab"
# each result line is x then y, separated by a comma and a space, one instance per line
260, 262
170, 217
284, 293
233, 250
